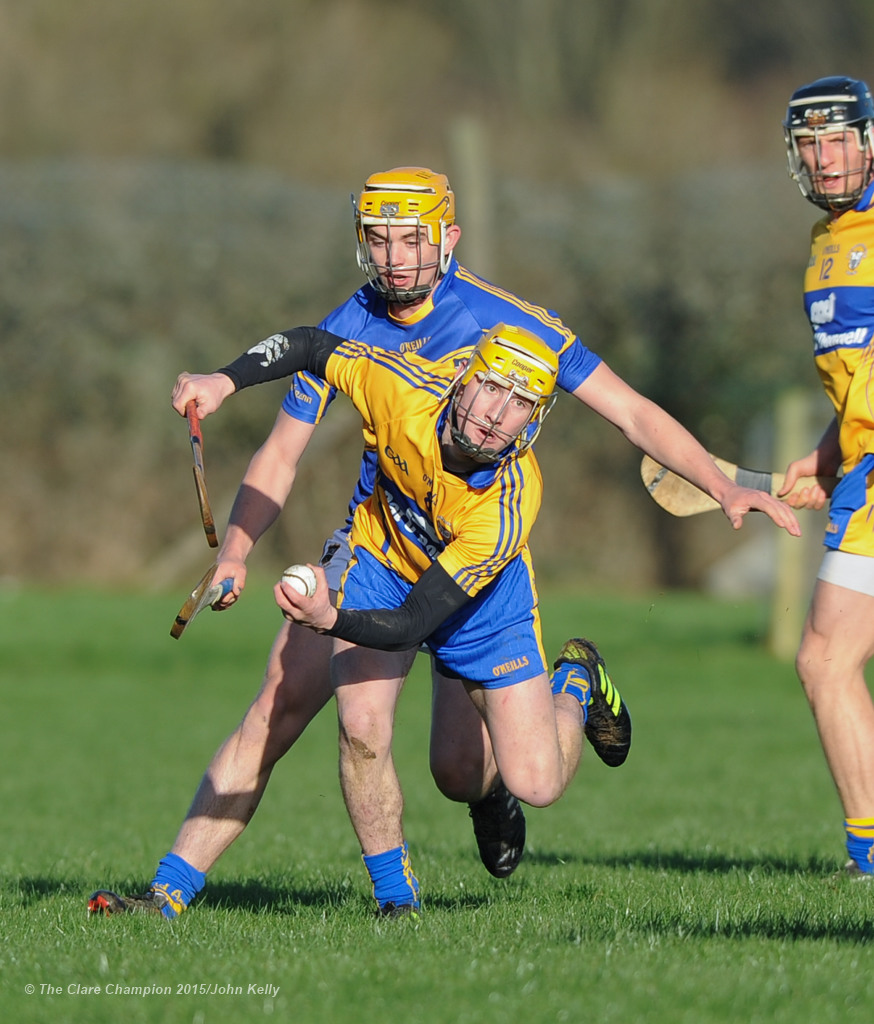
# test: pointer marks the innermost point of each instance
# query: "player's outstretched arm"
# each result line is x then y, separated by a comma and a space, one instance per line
282, 355
657, 433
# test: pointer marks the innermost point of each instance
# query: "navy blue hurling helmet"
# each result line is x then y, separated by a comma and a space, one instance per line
830, 106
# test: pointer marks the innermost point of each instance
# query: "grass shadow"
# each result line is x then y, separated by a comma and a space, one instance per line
256, 896
689, 862
31, 891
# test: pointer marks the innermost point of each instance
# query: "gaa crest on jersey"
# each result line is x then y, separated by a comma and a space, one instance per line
855, 257
398, 460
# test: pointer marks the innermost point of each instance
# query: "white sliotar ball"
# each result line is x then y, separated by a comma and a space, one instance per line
301, 578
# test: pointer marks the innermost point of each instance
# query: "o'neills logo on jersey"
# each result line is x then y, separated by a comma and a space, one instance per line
823, 310
509, 666
414, 346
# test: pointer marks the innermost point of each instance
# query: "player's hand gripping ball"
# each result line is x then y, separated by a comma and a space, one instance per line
301, 578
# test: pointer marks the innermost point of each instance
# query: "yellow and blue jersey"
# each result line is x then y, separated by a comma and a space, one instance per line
458, 312
418, 512
839, 301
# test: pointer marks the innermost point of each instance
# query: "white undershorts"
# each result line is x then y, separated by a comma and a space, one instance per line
844, 569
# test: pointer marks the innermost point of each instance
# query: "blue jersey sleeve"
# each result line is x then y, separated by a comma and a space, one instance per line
308, 397
468, 305
575, 363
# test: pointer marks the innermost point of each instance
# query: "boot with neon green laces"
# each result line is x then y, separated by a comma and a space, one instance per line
580, 671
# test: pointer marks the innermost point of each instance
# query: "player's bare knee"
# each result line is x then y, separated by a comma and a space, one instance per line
806, 674
812, 664
361, 750
362, 738
538, 787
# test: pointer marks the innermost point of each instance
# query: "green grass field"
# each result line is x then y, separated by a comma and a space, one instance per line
691, 885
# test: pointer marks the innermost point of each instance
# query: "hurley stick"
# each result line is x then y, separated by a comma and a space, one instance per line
196, 435
680, 498
203, 596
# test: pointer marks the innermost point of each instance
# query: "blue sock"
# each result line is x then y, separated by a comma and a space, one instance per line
573, 679
393, 878
860, 842
179, 882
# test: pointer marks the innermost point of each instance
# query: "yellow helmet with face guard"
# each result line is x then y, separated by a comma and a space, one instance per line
524, 366
413, 197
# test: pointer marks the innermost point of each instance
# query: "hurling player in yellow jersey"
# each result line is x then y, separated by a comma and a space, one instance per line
440, 557
829, 130
418, 302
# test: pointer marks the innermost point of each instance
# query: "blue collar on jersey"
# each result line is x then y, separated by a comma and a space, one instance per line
443, 283
866, 200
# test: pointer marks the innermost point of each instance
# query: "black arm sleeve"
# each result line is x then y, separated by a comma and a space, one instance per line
431, 601
301, 348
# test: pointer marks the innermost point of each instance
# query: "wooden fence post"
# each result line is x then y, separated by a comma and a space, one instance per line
796, 558
470, 180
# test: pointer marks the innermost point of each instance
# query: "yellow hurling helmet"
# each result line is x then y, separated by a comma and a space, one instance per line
405, 196
521, 363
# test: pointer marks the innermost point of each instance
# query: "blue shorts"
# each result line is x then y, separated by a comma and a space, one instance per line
851, 511
494, 640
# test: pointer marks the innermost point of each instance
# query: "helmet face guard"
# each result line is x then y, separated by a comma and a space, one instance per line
518, 362
826, 107
413, 197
